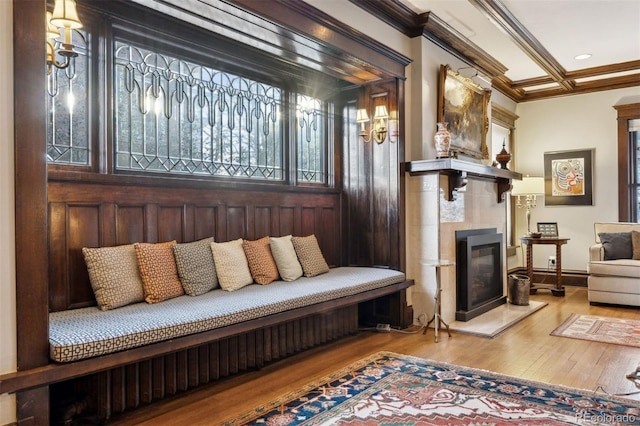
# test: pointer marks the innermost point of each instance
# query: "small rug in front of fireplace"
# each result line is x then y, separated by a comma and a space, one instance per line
618, 331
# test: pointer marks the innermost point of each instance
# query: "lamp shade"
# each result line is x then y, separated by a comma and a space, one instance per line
381, 112
362, 116
65, 15
529, 185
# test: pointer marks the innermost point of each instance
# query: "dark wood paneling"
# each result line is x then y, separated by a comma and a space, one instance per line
205, 222
111, 215
372, 183
30, 191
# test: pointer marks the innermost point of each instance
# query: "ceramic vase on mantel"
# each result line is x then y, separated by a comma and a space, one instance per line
442, 140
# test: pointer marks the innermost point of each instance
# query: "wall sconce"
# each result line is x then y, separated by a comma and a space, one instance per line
378, 127
64, 17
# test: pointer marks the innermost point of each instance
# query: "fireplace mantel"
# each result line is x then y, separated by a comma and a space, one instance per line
458, 171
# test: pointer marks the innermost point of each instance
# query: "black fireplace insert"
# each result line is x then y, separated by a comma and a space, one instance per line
479, 277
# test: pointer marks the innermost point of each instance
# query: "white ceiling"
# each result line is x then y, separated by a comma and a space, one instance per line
609, 30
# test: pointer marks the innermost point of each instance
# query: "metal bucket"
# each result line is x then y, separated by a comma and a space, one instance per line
519, 287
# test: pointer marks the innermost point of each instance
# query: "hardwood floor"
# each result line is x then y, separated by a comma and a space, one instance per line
524, 350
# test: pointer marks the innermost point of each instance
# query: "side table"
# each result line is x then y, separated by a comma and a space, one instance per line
437, 317
558, 290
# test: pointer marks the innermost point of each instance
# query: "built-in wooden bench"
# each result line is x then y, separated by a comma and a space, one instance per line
201, 339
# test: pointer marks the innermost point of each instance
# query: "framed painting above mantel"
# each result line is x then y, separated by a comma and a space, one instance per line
464, 106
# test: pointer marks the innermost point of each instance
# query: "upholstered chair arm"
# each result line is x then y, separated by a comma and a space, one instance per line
596, 252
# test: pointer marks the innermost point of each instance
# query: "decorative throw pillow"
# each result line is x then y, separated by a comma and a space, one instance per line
635, 245
285, 256
114, 276
617, 245
261, 264
231, 265
195, 265
158, 270
310, 255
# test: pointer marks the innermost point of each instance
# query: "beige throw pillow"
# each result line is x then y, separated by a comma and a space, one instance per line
114, 276
157, 266
231, 265
261, 264
635, 243
285, 256
310, 255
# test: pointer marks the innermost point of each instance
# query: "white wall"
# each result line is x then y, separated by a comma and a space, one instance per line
569, 123
7, 228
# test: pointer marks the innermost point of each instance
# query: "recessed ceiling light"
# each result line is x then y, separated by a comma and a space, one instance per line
583, 56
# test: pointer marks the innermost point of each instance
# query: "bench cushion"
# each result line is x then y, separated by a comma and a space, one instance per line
83, 333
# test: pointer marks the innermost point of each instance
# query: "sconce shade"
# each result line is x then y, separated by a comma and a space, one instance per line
52, 30
65, 15
381, 112
529, 185
362, 116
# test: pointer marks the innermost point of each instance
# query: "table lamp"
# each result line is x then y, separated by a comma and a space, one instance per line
529, 188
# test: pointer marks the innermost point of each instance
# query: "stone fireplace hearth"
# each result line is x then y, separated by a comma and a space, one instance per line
442, 197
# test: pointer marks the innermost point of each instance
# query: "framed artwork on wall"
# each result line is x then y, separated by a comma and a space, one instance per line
463, 105
568, 178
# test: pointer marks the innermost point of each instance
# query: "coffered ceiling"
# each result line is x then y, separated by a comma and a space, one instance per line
528, 48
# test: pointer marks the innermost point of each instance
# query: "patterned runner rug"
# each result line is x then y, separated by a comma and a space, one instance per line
600, 329
393, 389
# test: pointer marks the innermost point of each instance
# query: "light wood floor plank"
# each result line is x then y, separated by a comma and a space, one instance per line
525, 350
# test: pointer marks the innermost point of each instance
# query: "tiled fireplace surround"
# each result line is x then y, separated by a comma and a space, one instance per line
431, 225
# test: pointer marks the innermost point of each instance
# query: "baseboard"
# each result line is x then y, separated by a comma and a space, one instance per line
569, 278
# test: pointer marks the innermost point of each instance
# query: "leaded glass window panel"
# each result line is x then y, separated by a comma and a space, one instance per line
311, 137
176, 116
67, 108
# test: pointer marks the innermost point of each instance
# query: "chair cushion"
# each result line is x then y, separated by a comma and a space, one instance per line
82, 333
615, 268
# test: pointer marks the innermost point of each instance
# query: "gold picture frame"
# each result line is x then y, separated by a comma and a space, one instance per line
464, 106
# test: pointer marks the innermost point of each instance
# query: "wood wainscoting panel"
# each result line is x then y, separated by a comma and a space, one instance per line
98, 215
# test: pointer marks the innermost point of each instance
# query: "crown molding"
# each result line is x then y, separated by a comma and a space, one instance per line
443, 35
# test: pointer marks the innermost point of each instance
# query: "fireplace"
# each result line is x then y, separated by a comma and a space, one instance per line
479, 278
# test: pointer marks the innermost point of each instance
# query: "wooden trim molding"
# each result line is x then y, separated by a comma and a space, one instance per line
430, 26
625, 113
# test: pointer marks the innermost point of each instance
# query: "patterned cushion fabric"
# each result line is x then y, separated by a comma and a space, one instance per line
83, 333
195, 265
231, 265
114, 276
285, 256
635, 244
617, 245
310, 256
261, 264
158, 270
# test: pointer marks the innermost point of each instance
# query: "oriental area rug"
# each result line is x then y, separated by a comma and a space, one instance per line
595, 328
392, 389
